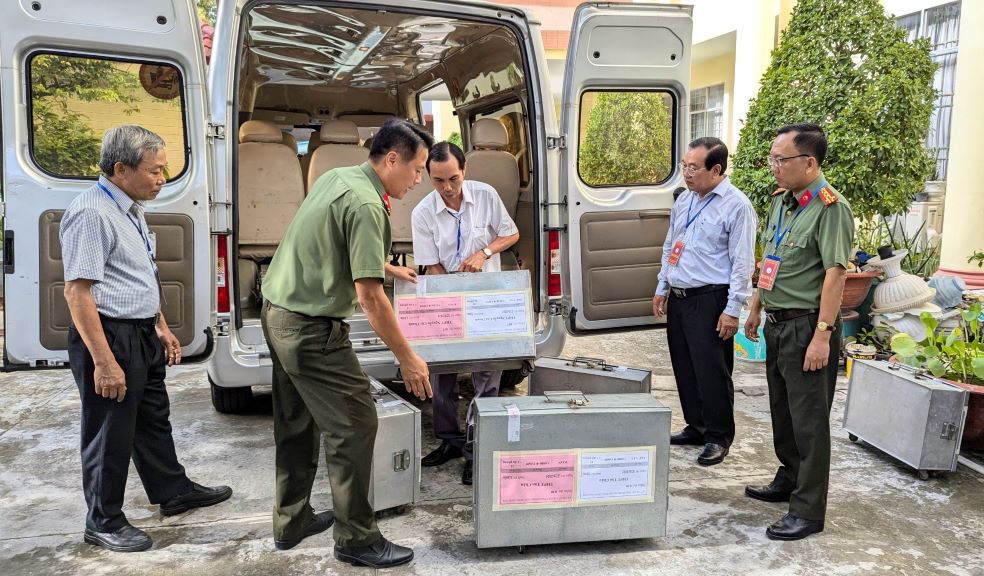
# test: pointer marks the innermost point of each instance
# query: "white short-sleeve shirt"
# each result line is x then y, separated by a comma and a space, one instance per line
442, 236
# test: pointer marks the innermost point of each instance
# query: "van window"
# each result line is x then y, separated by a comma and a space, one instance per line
625, 138
75, 99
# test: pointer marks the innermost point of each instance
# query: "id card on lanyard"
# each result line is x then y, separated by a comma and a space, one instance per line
772, 262
677, 250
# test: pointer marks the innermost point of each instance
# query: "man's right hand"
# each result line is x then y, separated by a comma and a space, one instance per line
659, 306
416, 376
110, 380
752, 326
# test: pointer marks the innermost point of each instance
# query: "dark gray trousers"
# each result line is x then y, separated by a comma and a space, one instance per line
445, 401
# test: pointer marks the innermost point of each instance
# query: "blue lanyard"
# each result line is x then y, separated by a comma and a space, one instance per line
690, 220
136, 224
779, 237
457, 218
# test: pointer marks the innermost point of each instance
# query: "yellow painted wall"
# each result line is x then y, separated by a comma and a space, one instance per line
711, 71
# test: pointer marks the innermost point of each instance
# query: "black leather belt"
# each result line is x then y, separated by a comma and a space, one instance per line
132, 321
688, 292
776, 316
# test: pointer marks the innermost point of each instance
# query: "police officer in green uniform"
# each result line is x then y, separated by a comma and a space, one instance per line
808, 238
333, 254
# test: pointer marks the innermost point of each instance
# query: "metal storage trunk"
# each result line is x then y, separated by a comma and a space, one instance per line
906, 413
467, 322
588, 375
396, 455
570, 468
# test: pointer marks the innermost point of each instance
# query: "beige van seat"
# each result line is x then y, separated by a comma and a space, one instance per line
290, 141
271, 188
313, 142
339, 147
489, 162
400, 220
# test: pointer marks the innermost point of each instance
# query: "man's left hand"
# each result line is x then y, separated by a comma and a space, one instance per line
727, 326
817, 355
172, 348
474, 262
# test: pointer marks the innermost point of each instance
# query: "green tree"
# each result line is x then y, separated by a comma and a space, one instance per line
455, 138
63, 141
207, 10
627, 140
846, 66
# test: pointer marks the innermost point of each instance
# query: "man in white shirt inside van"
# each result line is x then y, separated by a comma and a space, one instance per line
461, 226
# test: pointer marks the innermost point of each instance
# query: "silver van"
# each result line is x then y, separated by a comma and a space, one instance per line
591, 194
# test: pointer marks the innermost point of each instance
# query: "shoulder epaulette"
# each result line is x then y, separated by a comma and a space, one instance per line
779, 191
828, 196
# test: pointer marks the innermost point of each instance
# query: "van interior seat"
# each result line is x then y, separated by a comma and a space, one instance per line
271, 189
313, 142
489, 162
339, 148
290, 141
400, 219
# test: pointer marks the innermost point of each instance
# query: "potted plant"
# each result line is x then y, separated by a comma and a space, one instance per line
957, 357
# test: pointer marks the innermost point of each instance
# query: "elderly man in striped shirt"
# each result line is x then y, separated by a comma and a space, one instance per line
119, 343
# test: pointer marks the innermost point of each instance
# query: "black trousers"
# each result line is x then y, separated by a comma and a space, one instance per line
702, 364
138, 427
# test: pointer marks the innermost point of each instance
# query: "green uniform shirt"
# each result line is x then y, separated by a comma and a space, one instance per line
340, 233
820, 238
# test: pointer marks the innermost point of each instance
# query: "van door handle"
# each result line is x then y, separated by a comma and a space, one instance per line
650, 214
8, 251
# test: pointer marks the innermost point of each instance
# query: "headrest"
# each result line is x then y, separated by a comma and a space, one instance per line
368, 143
339, 132
290, 141
260, 131
314, 141
489, 133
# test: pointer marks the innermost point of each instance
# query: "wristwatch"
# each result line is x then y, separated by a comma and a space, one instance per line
487, 252
824, 327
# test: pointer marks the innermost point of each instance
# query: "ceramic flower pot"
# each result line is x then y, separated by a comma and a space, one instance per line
973, 434
856, 286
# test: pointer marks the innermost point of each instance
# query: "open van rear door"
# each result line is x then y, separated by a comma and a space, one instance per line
625, 124
70, 70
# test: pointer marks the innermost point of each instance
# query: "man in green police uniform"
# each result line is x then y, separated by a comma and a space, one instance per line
808, 238
333, 254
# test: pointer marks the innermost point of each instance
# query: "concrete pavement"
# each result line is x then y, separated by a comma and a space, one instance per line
881, 518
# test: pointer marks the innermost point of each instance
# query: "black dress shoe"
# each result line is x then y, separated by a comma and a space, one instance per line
466, 474
712, 454
687, 438
382, 554
769, 493
124, 539
446, 451
790, 527
199, 497
322, 522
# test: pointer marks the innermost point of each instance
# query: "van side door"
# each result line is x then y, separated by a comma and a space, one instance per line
624, 125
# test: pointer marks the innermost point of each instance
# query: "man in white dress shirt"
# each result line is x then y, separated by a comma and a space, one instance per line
705, 279
461, 226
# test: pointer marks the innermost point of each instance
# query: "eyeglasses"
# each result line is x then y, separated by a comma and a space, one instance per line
690, 170
776, 161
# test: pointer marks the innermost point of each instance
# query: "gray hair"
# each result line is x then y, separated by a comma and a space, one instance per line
127, 144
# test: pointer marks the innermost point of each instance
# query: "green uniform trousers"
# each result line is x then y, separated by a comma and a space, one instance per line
800, 404
319, 388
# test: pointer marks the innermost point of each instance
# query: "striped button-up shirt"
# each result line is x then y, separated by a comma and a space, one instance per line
105, 238
719, 244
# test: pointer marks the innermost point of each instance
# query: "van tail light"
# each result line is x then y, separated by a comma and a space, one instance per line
222, 273
553, 278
